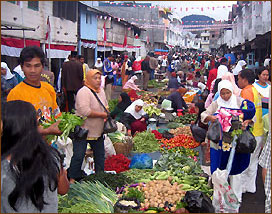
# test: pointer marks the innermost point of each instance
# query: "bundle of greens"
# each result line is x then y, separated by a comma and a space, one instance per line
116, 137
138, 175
68, 122
87, 197
110, 180
145, 142
112, 104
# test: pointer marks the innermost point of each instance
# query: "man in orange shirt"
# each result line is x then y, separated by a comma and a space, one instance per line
40, 94
247, 183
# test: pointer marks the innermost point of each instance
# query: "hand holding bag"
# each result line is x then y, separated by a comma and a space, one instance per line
198, 133
110, 125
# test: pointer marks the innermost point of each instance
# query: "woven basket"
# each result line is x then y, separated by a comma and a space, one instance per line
123, 148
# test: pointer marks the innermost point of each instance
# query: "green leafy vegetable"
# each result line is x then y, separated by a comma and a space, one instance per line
145, 142
112, 104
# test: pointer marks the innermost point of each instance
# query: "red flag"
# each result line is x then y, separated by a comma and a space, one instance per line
136, 36
201, 8
125, 41
48, 29
147, 39
186, 8
104, 32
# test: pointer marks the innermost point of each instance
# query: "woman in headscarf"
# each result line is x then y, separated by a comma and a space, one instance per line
124, 102
219, 152
241, 64
134, 118
88, 106
177, 100
130, 84
10, 79
99, 64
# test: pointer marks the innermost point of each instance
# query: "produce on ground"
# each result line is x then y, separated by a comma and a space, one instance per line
134, 193
112, 104
179, 140
133, 95
151, 109
182, 150
174, 125
178, 164
116, 137
114, 181
186, 130
157, 134
186, 119
145, 142
117, 163
87, 197
68, 122
155, 84
139, 175
160, 193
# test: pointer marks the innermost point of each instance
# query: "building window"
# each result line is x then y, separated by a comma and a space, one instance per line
65, 9
88, 18
196, 43
213, 35
13, 2
34, 5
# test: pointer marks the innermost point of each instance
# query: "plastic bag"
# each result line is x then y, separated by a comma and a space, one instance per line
198, 133
141, 161
166, 104
198, 202
109, 149
224, 199
66, 148
246, 142
214, 132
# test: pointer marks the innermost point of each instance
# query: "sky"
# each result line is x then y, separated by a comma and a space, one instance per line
217, 14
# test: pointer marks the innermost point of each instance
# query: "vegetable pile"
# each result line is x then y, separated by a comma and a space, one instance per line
117, 163
157, 134
145, 142
114, 181
68, 122
150, 110
112, 104
186, 130
87, 197
116, 137
179, 140
174, 125
186, 119
139, 175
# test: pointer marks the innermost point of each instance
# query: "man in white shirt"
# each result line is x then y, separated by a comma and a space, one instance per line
222, 69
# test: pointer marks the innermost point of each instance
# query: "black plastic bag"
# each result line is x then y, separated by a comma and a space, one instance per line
78, 133
246, 142
161, 99
198, 133
198, 202
167, 135
214, 132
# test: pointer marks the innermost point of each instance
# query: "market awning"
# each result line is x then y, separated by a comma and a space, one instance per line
13, 46
88, 43
59, 51
12, 26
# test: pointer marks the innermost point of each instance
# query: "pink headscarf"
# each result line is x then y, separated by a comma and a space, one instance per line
230, 77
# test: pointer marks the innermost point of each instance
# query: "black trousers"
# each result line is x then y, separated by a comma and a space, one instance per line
79, 150
71, 100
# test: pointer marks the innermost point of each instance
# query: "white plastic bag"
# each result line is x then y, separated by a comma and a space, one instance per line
224, 199
121, 128
109, 149
65, 147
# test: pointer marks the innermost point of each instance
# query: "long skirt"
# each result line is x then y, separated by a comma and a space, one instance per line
138, 126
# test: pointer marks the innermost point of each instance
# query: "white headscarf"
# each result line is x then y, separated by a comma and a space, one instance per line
131, 109
232, 102
238, 67
98, 64
18, 70
8, 75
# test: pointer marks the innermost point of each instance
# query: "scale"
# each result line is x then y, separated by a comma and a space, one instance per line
168, 114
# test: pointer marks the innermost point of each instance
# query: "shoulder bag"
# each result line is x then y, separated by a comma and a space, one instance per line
110, 125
